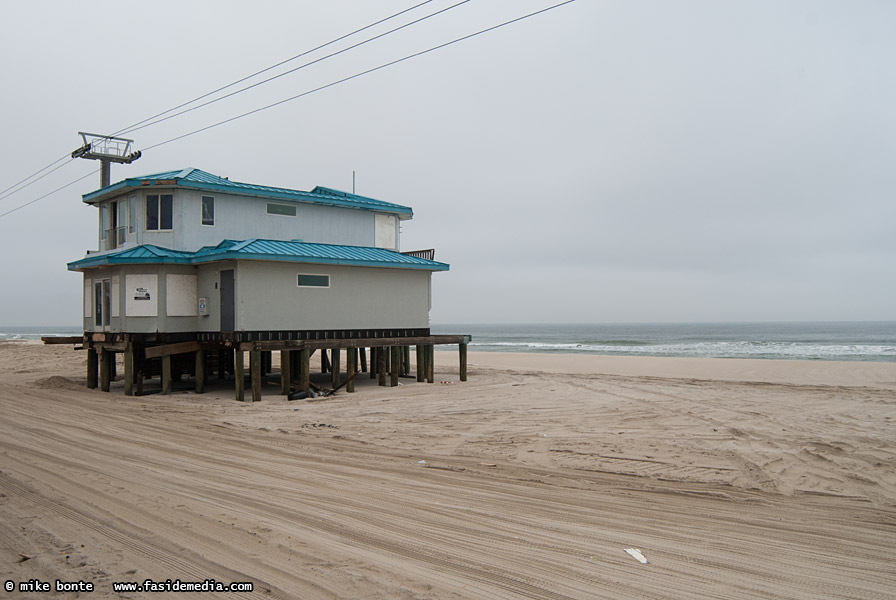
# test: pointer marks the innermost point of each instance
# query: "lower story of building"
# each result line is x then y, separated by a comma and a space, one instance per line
241, 297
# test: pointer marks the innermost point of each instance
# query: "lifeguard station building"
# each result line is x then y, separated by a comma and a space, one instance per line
192, 270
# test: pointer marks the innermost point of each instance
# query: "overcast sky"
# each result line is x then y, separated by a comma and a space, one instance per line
616, 161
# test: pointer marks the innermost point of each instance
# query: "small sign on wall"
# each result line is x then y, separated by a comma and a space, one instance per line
203, 307
141, 299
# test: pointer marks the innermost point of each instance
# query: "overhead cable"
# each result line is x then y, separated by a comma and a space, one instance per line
134, 126
293, 70
356, 75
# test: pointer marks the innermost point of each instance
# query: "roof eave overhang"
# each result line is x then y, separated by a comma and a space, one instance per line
403, 213
103, 261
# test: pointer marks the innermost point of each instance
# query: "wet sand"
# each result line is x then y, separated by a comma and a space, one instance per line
736, 479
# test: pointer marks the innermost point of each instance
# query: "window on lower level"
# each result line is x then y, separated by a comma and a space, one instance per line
306, 280
159, 212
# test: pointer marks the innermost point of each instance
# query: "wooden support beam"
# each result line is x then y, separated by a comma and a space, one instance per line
324, 361
104, 370
462, 354
330, 343
334, 367
166, 374
421, 363
239, 375
351, 368
381, 366
255, 373
396, 365
285, 371
92, 368
113, 366
406, 361
363, 353
305, 369
200, 371
374, 362
430, 363
169, 349
129, 371
62, 339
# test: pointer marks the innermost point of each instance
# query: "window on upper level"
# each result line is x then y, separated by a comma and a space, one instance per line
159, 212
132, 214
285, 210
208, 210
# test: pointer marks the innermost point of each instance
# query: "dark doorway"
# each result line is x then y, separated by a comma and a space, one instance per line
227, 300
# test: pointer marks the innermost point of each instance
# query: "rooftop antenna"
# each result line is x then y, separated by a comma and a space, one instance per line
353, 181
107, 149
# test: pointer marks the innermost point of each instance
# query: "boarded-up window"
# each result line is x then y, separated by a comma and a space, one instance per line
141, 299
181, 295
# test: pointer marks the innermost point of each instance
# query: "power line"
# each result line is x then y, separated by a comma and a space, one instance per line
33, 175
71, 183
362, 73
134, 126
249, 87
297, 96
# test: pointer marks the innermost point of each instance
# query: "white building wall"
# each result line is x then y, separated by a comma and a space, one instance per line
269, 297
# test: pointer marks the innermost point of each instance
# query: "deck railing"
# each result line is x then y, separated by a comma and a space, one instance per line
115, 237
426, 254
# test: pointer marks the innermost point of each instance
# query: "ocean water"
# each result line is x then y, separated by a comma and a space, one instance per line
850, 340
33, 332
855, 341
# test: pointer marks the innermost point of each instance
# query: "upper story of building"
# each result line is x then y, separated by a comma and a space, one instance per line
189, 209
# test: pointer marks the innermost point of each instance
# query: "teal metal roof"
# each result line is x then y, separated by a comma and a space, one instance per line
270, 250
202, 180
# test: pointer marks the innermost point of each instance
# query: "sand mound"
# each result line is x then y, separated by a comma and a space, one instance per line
57, 382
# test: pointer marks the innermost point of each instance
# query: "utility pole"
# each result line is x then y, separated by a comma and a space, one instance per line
107, 149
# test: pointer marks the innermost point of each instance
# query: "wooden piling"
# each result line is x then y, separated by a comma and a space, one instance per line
129, 370
92, 368
255, 368
406, 361
239, 375
381, 366
430, 363
305, 369
200, 371
166, 374
324, 361
334, 367
351, 368
421, 363
363, 352
396, 365
462, 354
373, 363
105, 369
285, 371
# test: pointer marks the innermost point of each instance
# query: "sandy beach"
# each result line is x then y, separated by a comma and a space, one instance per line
734, 478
